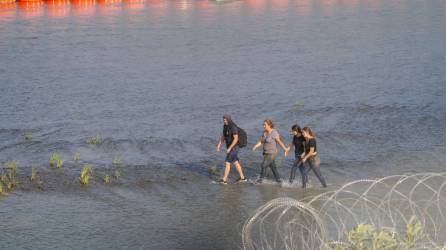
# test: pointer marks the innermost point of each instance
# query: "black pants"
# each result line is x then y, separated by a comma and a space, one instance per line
297, 164
313, 164
269, 161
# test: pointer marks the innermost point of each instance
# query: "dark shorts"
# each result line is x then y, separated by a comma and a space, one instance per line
232, 156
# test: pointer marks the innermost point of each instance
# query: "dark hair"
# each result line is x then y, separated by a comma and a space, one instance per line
269, 122
296, 128
228, 118
308, 130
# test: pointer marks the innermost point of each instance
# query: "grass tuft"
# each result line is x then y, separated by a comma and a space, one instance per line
116, 174
33, 177
213, 170
366, 236
54, 158
9, 175
28, 136
107, 179
59, 163
76, 157
94, 140
85, 174
117, 161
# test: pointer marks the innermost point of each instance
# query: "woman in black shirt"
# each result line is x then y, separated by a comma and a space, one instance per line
298, 144
311, 156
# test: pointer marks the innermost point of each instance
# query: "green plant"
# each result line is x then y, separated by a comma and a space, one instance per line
117, 161
367, 237
107, 179
85, 174
76, 157
59, 163
1, 188
413, 228
54, 158
116, 174
33, 174
9, 176
28, 136
298, 105
213, 170
94, 140
10, 165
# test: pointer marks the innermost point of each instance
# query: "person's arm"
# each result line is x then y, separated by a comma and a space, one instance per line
282, 145
258, 143
222, 139
306, 156
234, 142
290, 146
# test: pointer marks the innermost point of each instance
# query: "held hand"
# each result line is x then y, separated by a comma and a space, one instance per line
286, 152
218, 148
228, 150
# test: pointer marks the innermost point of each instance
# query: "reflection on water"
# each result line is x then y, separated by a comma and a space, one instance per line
31, 9
83, 7
7, 11
63, 8
57, 8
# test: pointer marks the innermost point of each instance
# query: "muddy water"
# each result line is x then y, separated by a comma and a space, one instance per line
152, 79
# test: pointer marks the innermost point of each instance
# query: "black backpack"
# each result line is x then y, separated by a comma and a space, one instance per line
242, 138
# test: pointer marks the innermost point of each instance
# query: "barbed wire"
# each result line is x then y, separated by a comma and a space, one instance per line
324, 221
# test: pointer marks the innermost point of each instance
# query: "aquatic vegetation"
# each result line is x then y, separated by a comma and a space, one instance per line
413, 229
117, 161
33, 177
107, 179
85, 175
28, 136
10, 165
94, 140
76, 157
9, 175
298, 105
116, 174
59, 163
366, 236
54, 159
213, 170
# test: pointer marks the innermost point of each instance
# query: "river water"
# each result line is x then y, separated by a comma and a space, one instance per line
152, 80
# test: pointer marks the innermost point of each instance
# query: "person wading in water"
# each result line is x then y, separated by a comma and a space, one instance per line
269, 140
230, 136
299, 149
311, 157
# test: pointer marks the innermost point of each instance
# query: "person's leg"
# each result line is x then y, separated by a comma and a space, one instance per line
274, 169
227, 169
231, 157
238, 167
265, 164
297, 163
315, 166
304, 169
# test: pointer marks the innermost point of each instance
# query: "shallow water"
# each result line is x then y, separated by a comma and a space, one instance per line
153, 78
